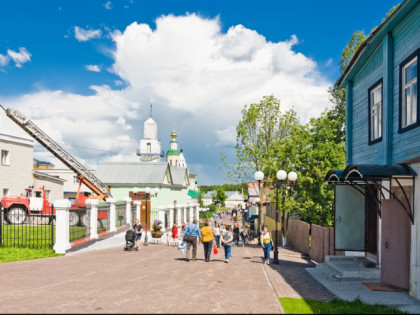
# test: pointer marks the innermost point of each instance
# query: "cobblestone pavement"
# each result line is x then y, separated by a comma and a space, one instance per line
156, 279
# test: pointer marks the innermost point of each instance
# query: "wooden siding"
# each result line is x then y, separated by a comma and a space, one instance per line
406, 35
369, 74
406, 145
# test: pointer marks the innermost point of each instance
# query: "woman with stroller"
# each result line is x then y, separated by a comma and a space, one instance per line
138, 228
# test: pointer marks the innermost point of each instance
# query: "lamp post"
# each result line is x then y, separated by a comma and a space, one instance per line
259, 176
281, 176
147, 191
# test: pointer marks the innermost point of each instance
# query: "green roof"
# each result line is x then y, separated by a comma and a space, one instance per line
193, 193
173, 152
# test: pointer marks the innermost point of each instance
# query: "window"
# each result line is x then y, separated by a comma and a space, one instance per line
375, 112
5, 157
5, 191
409, 113
149, 147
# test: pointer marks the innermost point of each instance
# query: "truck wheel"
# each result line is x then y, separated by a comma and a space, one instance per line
84, 219
16, 215
73, 218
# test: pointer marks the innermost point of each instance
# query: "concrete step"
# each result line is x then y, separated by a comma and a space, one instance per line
348, 268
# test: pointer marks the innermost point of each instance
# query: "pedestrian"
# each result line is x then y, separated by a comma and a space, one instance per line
244, 234
207, 239
236, 234
175, 234
265, 240
216, 232
194, 231
138, 228
227, 240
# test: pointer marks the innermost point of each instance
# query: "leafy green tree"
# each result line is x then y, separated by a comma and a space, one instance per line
220, 197
350, 49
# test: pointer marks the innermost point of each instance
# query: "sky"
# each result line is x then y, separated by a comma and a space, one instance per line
86, 72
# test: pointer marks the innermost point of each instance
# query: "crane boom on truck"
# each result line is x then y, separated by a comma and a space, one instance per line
84, 175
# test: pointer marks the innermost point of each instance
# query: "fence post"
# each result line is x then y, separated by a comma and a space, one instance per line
92, 206
112, 214
171, 215
62, 226
127, 210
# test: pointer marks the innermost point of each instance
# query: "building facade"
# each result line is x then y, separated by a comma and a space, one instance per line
16, 149
377, 195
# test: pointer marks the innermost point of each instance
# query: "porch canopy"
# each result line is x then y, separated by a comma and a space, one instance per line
361, 176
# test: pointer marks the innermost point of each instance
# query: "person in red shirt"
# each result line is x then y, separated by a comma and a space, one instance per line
175, 234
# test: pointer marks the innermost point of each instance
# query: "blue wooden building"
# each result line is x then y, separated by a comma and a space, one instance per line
377, 196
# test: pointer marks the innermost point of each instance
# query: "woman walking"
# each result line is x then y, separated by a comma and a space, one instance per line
265, 239
175, 234
227, 240
207, 239
244, 234
216, 232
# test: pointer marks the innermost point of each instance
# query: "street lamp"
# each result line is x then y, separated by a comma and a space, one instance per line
147, 191
281, 176
259, 176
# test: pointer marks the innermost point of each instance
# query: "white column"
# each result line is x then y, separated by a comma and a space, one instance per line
171, 215
62, 226
191, 213
138, 204
183, 207
112, 214
92, 206
161, 210
178, 216
127, 210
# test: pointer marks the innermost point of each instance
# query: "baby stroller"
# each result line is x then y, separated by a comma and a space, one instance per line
130, 238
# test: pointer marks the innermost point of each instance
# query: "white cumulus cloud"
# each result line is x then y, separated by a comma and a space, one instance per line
199, 78
83, 35
19, 57
94, 68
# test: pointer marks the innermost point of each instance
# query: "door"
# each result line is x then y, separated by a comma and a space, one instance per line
395, 245
143, 211
371, 226
349, 219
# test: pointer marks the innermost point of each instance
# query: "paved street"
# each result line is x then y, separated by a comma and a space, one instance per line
155, 279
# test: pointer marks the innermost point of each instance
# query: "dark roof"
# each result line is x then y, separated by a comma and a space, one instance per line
369, 172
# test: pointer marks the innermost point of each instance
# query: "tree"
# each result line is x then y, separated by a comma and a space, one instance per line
350, 49
220, 197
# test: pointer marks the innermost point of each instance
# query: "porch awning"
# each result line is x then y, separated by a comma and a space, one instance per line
367, 172
360, 176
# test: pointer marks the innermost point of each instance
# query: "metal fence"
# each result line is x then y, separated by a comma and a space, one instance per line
78, 224
120, 214
27, 230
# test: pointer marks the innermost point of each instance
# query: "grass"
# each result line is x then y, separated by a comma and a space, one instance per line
336, 306
9, 254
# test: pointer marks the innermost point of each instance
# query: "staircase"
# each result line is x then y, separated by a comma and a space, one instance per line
350, 268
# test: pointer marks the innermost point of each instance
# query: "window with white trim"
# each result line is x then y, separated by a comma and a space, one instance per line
5, 157
375, 112
5, 191
409, 93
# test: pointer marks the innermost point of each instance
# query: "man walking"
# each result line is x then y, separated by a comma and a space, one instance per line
194, 231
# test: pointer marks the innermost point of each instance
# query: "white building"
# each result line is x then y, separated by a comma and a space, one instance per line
235, 200
16, 149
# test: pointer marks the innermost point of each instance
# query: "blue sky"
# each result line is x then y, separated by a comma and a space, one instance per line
76, 64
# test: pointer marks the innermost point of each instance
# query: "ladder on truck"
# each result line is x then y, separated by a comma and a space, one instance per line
82, 173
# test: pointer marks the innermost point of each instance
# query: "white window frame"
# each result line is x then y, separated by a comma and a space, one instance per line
375, 112
409, 111
5, 157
